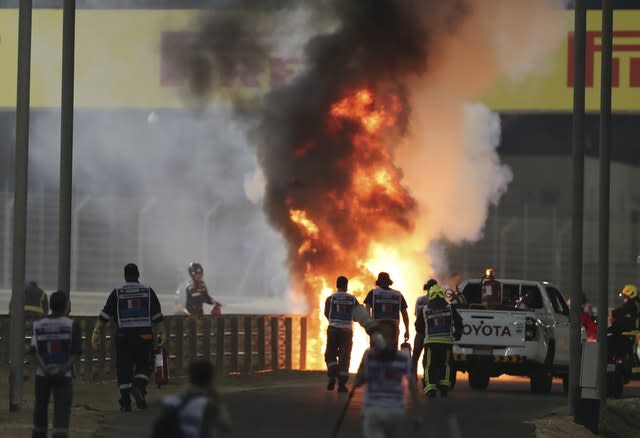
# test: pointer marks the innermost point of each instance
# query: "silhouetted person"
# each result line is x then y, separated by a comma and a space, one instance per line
338, 309
199, 412
386, 305
56, 344
134, 308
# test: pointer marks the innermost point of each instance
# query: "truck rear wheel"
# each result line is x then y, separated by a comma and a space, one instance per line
478, 379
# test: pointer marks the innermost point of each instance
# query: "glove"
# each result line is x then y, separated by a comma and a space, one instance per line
96, 335
162, 334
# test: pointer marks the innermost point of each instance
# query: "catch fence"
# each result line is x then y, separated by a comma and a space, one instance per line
241, 344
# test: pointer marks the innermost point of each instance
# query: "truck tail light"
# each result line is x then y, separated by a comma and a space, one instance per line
530, 329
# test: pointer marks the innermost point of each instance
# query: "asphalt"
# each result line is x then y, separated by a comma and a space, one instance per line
286, 408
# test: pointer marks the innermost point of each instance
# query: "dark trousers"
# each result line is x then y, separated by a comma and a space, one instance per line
418, 346
133, 363
622, 347
437, 366
337, 356
62, 390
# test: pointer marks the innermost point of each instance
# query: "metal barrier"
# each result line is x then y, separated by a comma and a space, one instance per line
241, 344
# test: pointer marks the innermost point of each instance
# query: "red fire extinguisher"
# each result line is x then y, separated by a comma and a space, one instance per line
161, 366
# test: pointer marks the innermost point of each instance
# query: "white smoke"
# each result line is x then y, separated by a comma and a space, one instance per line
450, 160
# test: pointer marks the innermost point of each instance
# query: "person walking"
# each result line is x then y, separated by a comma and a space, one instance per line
56, 344
384, 370
199, 412
418, 340
134, 308
338, 309
441, 324
386, 305
624, 318
192, 296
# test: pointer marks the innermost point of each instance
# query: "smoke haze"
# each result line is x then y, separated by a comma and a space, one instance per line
438, 58
432, 60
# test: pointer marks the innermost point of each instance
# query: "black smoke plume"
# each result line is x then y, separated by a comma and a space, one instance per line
374, 44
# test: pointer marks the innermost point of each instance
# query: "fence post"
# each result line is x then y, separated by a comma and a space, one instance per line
87, 354
303, 343
179, 345
206, 338
248, 338
8, 244
113, 353
262, 357
4, 341
275, 344
220, 344
234, 344
288, 343
101, 359
192, 335
525, 245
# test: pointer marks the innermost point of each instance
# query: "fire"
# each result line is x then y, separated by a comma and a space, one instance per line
362, 225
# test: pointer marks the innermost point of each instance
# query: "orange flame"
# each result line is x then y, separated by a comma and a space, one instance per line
377, 212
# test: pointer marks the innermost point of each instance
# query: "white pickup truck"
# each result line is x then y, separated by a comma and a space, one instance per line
526, 335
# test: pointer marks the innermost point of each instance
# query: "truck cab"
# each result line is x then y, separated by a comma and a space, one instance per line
526, 333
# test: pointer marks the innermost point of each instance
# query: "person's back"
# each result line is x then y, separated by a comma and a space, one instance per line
188, 413
56, 346
625, 317
198, 413
384, 372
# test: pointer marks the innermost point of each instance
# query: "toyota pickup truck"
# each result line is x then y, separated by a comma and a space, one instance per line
527, 334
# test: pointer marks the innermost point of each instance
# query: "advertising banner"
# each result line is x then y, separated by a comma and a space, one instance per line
122, 61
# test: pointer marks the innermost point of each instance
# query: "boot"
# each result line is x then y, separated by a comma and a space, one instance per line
125, 405
139, 396
331, 384
342, 388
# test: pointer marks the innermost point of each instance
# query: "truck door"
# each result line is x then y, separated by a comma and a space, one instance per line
561, 327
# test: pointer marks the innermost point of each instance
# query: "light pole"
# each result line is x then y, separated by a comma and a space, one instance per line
16, 344
66, 147
605, 179
577, 210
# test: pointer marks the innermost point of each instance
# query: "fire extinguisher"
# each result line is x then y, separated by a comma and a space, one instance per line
217, 310
161, 366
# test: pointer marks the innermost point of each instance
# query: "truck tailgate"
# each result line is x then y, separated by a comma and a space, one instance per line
503, 328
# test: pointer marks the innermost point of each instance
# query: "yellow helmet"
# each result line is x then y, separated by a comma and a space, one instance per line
630, 291
436, 291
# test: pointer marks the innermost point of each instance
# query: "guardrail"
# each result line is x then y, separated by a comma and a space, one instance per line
240, 344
